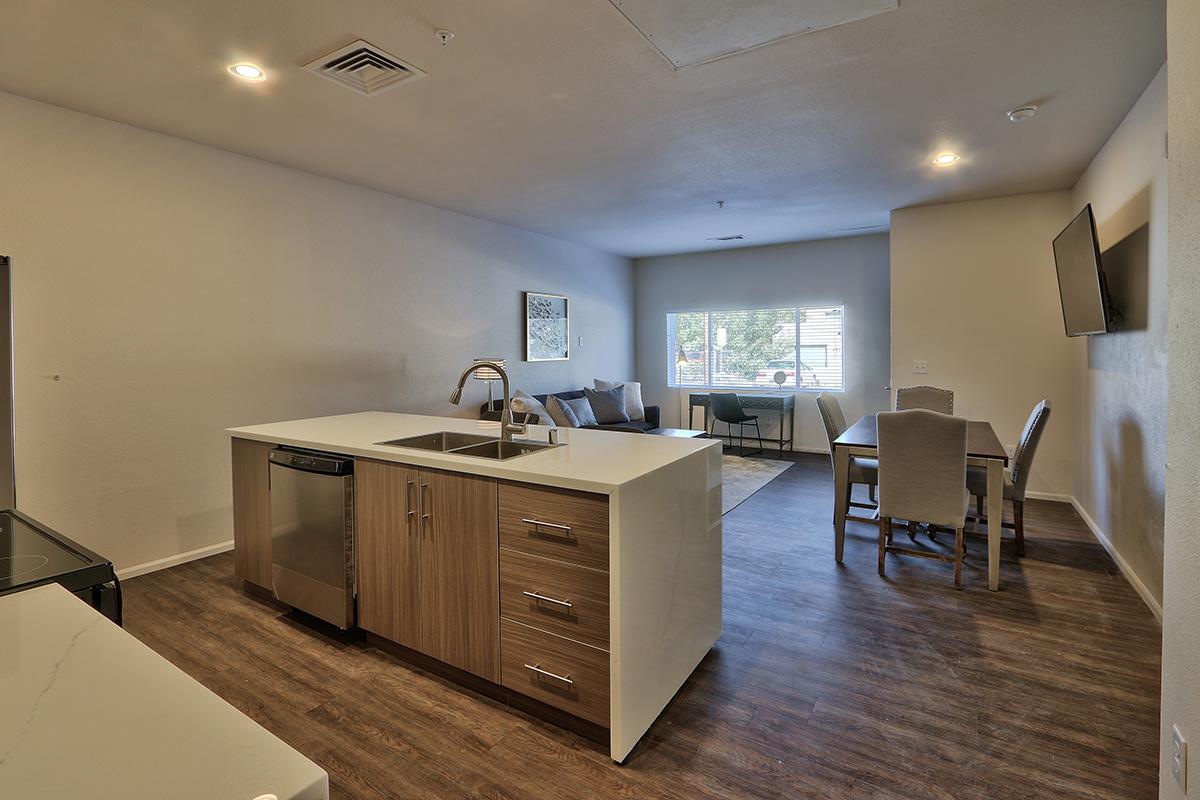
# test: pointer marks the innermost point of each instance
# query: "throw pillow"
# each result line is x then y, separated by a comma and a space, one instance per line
608, 405
561, 413
583, 412
525, 403
634, 406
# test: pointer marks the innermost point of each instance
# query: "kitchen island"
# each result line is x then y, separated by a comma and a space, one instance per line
580, 582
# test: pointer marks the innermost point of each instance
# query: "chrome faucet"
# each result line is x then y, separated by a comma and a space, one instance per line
507, 426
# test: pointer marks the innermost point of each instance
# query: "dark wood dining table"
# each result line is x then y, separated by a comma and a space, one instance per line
983, 449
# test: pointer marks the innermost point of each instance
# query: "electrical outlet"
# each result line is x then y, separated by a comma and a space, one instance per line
1179, 758
920, 367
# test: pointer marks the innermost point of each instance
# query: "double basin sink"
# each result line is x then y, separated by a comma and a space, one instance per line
468, 444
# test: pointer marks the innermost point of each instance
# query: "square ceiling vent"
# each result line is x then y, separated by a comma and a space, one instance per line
691, 32
363, 67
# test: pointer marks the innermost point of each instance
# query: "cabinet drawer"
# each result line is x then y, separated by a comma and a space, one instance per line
554, 596
555, 523
559, 672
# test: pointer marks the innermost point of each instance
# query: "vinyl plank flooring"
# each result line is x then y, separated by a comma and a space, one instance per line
829, 682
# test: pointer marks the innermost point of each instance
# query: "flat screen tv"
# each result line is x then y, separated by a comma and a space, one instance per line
1081, 284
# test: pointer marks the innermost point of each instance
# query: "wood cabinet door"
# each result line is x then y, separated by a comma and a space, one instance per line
389, 551
460, 597
252, 511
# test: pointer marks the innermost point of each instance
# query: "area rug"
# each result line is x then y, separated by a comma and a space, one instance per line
742, 477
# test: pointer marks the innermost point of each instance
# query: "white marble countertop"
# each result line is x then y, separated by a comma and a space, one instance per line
86, 710
592, 461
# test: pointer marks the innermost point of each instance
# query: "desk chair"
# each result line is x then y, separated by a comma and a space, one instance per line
728, 409
922, 477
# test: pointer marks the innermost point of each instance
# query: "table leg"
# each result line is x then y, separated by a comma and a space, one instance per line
841, 492
995, 518
781, 433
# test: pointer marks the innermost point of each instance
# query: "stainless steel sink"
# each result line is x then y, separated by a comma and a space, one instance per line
442, 441
502, 450
468, 444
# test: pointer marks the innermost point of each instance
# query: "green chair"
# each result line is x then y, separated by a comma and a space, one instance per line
728, 409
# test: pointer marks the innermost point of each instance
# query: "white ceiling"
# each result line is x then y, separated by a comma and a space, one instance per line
560, 117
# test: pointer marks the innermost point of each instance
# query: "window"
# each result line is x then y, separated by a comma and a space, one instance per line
745, 349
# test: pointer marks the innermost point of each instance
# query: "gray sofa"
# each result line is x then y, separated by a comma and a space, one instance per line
640, 426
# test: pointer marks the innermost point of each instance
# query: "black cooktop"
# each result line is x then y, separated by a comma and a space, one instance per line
32, 554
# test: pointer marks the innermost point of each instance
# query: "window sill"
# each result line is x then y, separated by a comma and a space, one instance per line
757, 390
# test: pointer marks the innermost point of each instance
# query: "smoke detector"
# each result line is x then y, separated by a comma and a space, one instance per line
363, 67
1019, 115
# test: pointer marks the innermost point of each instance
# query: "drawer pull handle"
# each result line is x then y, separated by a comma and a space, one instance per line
554, 526
544, 598
538, 670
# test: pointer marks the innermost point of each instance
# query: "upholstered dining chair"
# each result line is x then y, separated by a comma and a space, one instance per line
728, 409
862, 470
922, 478
1016, 476
928, 397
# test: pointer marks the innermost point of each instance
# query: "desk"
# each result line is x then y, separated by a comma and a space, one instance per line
983, 449
782, 404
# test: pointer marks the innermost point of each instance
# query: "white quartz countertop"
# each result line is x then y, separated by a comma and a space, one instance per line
86, 710
591, 461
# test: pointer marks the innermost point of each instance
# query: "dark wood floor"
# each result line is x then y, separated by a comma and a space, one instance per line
828, 683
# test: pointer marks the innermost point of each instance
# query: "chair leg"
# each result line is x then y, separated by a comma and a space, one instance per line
849, 496
979, 506
758, 432
885, 525
871, 492
958, 557
1019, 525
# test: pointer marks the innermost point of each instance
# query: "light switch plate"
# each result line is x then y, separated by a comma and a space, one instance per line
920, 367
1179, 758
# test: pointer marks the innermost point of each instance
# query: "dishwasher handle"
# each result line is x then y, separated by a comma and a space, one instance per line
304, 461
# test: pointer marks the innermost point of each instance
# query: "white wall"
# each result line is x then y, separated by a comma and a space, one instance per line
1181, 558
852, 272
1120, 476
974, 293
178, 290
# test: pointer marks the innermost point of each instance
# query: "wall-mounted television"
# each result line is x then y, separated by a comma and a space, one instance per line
1081, 284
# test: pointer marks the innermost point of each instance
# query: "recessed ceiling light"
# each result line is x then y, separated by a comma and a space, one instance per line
1021, 114
248, 72
945, 159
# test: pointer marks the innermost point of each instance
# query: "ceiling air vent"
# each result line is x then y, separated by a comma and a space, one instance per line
364, 68
733, 238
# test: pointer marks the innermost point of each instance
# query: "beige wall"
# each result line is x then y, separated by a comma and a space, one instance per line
178, 290
852, 272
1181, 557
1120, 473
974, 294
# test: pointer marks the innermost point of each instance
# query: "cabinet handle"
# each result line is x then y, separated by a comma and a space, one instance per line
554, 526
538, 670
427, 492
542, 597
408, 499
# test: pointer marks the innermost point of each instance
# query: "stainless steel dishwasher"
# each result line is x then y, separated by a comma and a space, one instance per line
312, 533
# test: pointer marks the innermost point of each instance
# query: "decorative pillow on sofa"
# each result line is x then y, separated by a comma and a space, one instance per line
582, 410
561, 413
634, 406
524, 403
608, 405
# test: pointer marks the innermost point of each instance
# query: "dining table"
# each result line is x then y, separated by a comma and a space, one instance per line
983, 449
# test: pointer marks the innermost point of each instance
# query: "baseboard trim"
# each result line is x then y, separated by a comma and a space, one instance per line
175, 560
1122, 564
1057, 498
